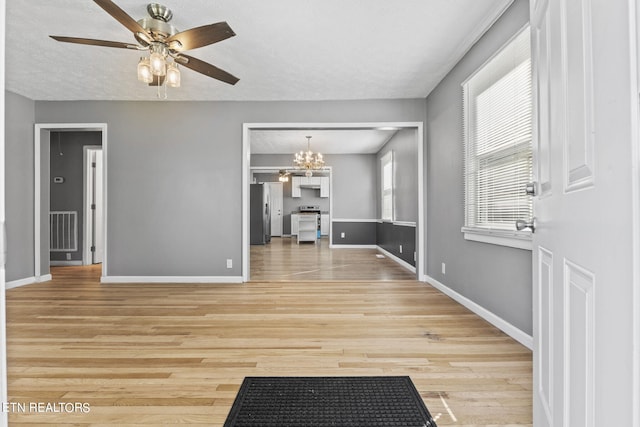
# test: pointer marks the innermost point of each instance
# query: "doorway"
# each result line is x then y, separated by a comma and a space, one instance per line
417, 127
46, 146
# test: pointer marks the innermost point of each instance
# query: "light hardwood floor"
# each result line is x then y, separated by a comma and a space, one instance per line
285, 259
175, 354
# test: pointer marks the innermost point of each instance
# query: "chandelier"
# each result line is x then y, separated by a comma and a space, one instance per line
308, 160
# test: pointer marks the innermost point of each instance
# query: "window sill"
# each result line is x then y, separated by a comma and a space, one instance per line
513, 239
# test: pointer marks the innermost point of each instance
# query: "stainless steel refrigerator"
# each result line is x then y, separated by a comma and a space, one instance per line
260, 214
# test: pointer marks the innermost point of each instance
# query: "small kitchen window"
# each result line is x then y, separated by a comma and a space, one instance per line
386, 163
497, 101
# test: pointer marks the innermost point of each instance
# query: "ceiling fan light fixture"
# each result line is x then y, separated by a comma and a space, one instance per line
162, 40
144, 70
173, 75
158, 64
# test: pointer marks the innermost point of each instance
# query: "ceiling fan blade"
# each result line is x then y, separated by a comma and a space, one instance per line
94, 42
206, 69
121, 16
200, 36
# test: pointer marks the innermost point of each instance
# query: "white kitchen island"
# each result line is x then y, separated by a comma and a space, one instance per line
307, 227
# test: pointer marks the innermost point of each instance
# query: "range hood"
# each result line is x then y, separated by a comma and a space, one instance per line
313, 186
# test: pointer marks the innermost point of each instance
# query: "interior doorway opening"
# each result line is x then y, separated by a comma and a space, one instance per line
70, 196
253, 132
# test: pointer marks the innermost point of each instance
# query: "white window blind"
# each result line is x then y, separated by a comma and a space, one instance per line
387, 186
497, 127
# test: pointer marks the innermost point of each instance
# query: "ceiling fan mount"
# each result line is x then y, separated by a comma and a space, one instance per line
159, 12
157, 24
157, 35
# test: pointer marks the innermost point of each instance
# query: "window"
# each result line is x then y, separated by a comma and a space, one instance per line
498, 156
387, 186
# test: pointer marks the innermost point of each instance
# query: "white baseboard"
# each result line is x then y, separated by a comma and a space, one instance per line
27, 281
64, 263
335, 246
22, 282
171, 279
402, 262
506, 327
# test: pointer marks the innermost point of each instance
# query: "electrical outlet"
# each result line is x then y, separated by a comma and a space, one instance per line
68, 256
444, 268
400, 248
229, 263
342, 235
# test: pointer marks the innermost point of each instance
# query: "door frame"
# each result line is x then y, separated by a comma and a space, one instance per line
40, 138
634, 52
4, 416
87, 237
421, 252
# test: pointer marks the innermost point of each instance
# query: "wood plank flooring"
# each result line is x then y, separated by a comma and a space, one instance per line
285, 259
175, 354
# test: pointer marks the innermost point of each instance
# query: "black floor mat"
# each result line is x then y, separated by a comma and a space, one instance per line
328, 401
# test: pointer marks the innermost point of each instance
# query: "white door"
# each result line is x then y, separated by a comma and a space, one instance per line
276, 196
98, 211
583, 244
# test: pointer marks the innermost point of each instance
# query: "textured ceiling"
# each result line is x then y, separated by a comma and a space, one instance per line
284, 49
325, 141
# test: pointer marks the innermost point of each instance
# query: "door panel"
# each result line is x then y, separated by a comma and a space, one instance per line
583, 247
579, 332
577, 77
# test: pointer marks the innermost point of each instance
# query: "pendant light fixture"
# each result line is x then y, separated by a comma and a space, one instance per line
308, 160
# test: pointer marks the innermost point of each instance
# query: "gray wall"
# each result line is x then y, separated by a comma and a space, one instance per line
353, 178
405, 191
495, 277
69, 195
174, 199
19, 119
354, 185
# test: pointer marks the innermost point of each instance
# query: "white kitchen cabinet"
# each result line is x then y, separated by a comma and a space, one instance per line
317, 182
324, 186
294, 224
324, 224
295, 186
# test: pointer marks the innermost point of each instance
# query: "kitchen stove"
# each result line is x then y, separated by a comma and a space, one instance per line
309, 209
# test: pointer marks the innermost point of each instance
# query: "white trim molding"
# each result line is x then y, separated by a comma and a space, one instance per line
353, 220
28, 281
65, 263
506, 327
512, 239
338, 246
37, 140
171, 279
404, 223
402, 262
421, 249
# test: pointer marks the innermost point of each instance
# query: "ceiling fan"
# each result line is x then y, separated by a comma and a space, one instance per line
156, 35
